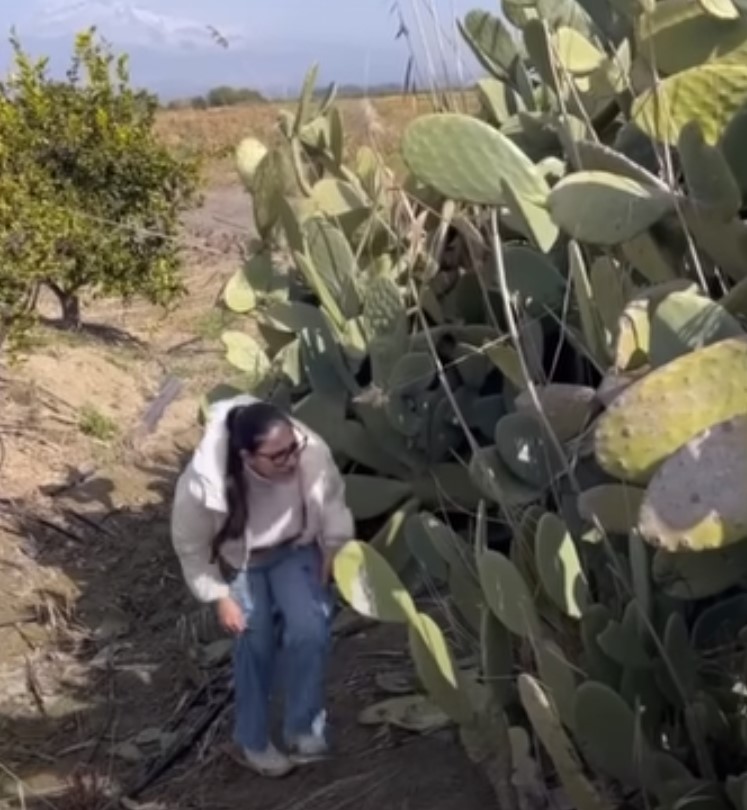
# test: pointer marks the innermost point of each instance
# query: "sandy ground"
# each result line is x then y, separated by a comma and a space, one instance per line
105, 660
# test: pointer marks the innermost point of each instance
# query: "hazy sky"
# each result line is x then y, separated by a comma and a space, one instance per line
347, 36
363, 21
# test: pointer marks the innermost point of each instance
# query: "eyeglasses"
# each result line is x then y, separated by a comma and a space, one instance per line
280, 457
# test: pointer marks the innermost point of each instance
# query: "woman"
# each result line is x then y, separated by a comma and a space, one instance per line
258, 515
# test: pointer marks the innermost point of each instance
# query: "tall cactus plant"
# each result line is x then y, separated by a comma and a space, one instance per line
539, 331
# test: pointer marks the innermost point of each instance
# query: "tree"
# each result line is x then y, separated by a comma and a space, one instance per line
90, 201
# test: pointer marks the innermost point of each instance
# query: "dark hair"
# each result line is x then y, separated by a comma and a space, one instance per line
248, 426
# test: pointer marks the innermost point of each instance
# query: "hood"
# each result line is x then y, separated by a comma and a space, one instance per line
209, 459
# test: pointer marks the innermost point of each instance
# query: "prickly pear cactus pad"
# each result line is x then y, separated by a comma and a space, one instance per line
466, 159
696, 500
602, 208
659, 413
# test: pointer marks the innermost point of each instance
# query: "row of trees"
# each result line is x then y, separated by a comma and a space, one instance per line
223, 96
90, 201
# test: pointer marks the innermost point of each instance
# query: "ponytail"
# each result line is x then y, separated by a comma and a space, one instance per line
247, 426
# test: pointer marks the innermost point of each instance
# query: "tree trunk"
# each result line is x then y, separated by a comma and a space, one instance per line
69, 307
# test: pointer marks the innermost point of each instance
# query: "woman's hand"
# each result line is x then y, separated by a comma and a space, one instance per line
231, 616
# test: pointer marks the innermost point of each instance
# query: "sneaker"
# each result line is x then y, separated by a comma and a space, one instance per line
308, 748
270, 762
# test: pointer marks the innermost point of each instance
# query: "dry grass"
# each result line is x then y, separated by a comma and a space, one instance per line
214, 133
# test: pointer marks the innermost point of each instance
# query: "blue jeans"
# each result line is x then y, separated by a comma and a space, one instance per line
285, 584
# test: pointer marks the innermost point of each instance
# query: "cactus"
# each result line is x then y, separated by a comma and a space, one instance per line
602, 208
685, 321
249, 153
466, 159
507, 595
625, 265
559, 567
690, 504
621, 755
568, 408
370, 586
708, 94
547, 725
661, 412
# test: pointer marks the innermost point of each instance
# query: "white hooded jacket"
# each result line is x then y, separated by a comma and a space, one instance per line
200, 508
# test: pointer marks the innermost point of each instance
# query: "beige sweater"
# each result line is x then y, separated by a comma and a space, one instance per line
275, 515
199, 508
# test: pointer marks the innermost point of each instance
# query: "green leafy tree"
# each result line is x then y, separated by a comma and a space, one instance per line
90, 200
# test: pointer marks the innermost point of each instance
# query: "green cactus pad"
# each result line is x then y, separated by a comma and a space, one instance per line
710, 182
424, 550
415, 713
681, 34
531, 219
370, 586
658, 414
496, 481
559, 566
559, 678
466, 159
490, 41
686, 321
611, 289
699, 574
656, 260
691, 503
496, 649
507, 595
623, 641
390, 540
592, 327
498, 100
614, 506
333, 258
324, 364
366, 448
709, 94
568, 408
604, 209
575, 53
546, 723
339, 199
723, 242
436, 669
413, 373
524, 448
292, 317
621, 754
249, 153
243, 352
370, 497
598, 664
682, 658
506, 359
533, 280
597, 157
731, 142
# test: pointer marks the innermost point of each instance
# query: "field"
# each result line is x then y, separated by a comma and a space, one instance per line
104, 658
214, 133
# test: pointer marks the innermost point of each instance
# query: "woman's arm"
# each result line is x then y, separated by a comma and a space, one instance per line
338, 526
192, 529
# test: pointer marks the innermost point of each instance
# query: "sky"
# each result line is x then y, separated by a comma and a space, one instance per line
272, 41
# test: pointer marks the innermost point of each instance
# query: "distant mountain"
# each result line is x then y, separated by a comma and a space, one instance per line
178, 57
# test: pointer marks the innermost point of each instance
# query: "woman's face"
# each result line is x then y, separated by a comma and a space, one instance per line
277, 456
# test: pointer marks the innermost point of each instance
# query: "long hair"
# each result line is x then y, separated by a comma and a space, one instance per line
248, 426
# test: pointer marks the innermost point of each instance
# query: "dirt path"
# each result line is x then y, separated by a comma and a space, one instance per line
104, 658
